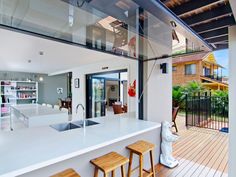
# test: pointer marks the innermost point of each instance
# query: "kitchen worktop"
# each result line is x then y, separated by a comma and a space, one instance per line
33, 148
33, 110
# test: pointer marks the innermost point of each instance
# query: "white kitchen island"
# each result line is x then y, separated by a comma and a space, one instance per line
32, 115
43, 151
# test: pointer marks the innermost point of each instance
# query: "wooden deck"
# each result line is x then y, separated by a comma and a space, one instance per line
201, 153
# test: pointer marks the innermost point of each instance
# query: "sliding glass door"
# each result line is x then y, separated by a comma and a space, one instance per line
96, 100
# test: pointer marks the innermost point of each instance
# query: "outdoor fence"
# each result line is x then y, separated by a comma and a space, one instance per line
204, 110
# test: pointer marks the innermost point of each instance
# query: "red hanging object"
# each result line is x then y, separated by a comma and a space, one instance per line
132, 46
132, 89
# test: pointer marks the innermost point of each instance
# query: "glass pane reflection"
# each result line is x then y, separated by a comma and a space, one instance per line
106, 25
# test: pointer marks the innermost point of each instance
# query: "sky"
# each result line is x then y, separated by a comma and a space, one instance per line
222, 58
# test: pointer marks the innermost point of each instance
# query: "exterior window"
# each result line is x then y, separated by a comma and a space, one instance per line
207, 71
174, 68
190, 69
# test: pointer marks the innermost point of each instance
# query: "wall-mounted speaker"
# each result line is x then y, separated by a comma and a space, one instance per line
163, 67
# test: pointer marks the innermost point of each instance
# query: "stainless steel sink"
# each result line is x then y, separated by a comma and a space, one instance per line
87, 123
65, 126
73, 125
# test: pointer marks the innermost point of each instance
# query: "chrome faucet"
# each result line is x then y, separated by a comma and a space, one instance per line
77, 107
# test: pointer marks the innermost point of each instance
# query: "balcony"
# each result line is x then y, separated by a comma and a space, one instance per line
214, 77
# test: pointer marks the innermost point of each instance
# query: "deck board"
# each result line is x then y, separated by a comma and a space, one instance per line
201, 153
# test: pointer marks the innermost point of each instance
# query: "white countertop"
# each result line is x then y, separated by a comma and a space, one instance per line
33, 148
33, 110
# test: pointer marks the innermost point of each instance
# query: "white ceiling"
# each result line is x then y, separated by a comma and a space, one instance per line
17, 48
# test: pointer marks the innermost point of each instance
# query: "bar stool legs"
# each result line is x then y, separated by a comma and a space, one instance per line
130, 163
96, 172
140, 148
141, 165
141, 168
152, 164
123, 171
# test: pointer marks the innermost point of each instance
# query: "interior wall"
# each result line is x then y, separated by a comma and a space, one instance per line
47, 89
112, 94
158, 93
79, 96
232, 100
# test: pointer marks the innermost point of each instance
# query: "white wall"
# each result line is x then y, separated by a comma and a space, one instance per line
159, 88
159, 93
233, 6
78, 94
112, 93
232, 100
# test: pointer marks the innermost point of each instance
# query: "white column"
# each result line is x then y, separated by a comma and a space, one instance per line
158, 89
159, 92
232, 100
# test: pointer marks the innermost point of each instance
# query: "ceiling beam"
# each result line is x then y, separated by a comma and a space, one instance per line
218, 39
215, 33
159, 10
213, 25
211, 14
221, 46
191, 5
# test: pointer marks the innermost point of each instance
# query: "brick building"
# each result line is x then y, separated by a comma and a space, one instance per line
200, 67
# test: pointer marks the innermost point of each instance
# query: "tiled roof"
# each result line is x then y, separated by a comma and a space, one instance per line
189, 58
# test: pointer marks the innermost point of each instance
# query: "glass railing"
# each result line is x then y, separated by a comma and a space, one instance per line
104, 25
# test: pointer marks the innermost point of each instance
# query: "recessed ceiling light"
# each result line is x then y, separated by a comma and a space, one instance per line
41, 53
41, 78
29, 61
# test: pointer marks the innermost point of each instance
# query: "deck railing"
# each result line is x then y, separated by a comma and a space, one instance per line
214, 77
207, 111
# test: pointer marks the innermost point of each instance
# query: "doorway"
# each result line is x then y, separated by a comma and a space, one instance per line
103, 90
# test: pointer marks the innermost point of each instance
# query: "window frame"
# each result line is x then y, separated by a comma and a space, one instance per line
192, 72
174, 70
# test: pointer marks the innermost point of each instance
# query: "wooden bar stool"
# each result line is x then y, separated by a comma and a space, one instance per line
140, 148
109, 163
67, 173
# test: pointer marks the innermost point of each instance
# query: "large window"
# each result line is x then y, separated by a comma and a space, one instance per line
190, 69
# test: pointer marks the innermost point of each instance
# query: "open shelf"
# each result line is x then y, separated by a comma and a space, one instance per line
23, 98
16, 92
32, 90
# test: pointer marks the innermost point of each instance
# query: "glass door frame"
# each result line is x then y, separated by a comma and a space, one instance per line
94, 102
89, 77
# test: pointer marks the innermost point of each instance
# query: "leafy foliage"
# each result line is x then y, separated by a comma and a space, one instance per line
177, 95
193, 87
220, 93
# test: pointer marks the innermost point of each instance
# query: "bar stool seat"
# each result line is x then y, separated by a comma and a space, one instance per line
141, 148
67, 173
109, 163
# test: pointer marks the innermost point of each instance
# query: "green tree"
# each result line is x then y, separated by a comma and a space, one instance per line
179, 92
220, 93
193, 87
177, 95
